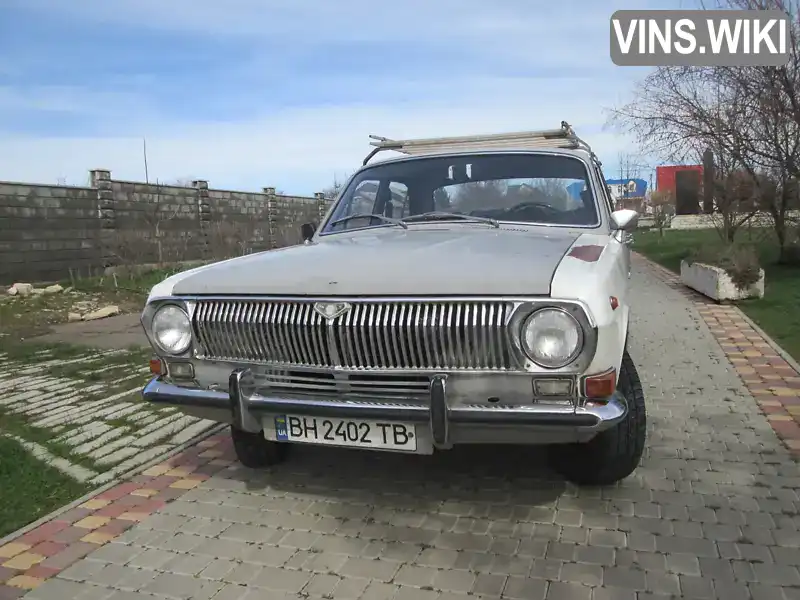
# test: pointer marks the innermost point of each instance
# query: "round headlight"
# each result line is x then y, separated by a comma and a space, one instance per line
172, 329
551, 337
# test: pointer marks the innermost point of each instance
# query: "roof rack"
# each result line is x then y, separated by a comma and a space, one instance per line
563, 137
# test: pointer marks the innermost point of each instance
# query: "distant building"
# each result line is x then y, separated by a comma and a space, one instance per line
685, 183
622, 189
665, 175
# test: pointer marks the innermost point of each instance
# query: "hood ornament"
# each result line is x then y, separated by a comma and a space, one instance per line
331, 310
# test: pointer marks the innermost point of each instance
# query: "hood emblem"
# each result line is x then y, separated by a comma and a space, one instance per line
331, 310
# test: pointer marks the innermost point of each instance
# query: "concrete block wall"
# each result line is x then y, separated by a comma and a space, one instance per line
47, 231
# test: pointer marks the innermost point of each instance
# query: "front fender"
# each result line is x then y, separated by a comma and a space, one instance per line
594, 271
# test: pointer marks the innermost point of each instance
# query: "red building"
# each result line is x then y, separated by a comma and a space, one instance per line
665, 175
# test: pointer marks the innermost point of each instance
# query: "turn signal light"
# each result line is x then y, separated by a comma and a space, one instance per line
600, 386
156, 366
181, 370
552, 387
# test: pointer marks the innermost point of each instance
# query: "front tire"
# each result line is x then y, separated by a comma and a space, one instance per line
614, 454
255, 451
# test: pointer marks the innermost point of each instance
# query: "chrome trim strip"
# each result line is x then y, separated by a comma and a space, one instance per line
594, 417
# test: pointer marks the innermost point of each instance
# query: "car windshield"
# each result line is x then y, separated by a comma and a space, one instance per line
491, 188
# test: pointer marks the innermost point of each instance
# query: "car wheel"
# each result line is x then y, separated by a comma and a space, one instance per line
255, 451
613, 454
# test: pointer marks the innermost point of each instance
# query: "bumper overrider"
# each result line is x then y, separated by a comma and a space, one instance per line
438, 423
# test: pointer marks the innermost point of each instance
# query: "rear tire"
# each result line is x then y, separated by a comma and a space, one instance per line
613, 454
255, 451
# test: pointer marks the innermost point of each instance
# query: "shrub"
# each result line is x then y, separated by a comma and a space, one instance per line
739, 261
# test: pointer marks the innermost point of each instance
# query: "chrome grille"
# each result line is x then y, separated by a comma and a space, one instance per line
389, 388
450, 335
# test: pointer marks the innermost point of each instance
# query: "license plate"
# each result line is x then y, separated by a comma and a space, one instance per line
355, 433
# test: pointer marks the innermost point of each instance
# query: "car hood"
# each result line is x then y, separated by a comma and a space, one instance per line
392, 262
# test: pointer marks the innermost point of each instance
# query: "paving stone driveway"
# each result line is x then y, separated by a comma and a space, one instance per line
102, 427
711, 513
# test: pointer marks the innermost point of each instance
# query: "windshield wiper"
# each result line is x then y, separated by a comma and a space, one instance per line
446, 216
383, 218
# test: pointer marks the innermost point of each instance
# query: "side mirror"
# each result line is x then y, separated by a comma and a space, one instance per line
624, 220
307, 230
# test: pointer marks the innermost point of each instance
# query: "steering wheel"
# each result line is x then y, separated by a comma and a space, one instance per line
531, 204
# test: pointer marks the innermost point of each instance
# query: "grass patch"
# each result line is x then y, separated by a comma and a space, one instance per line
128, 287
776, 313
124, 422
32, 352
98, 370
108, 368
17, 425
30, 489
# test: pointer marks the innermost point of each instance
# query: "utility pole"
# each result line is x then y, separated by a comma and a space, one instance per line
144, 153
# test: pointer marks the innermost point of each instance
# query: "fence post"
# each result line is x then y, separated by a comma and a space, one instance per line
272, 217
203, 214
100, 180
322, 206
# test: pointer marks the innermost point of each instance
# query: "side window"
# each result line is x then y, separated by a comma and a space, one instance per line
399, 201
363, 199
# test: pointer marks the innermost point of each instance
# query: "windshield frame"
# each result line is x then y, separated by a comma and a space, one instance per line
589, 167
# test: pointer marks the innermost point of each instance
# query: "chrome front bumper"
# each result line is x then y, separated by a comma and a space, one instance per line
438, 424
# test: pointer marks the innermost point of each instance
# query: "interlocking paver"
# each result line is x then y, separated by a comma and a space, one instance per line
99, 423
712, 512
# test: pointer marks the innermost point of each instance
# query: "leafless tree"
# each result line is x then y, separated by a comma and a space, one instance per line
663, 203
332, 191
748, 116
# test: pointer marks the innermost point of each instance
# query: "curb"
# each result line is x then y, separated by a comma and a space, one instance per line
107, 486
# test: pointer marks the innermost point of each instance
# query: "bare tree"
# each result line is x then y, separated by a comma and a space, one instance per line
748, 116
679, 112
332, 191
663, 204
769, 141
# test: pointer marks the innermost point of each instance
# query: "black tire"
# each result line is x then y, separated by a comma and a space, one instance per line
613, 454
255, 451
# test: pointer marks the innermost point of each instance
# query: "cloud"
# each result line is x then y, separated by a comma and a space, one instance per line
251, 93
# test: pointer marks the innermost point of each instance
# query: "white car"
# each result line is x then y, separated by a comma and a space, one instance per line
473, 291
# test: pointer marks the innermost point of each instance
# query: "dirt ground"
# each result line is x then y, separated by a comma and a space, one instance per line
58, 318
119, 332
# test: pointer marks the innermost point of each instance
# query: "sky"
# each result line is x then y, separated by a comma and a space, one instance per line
284, 93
